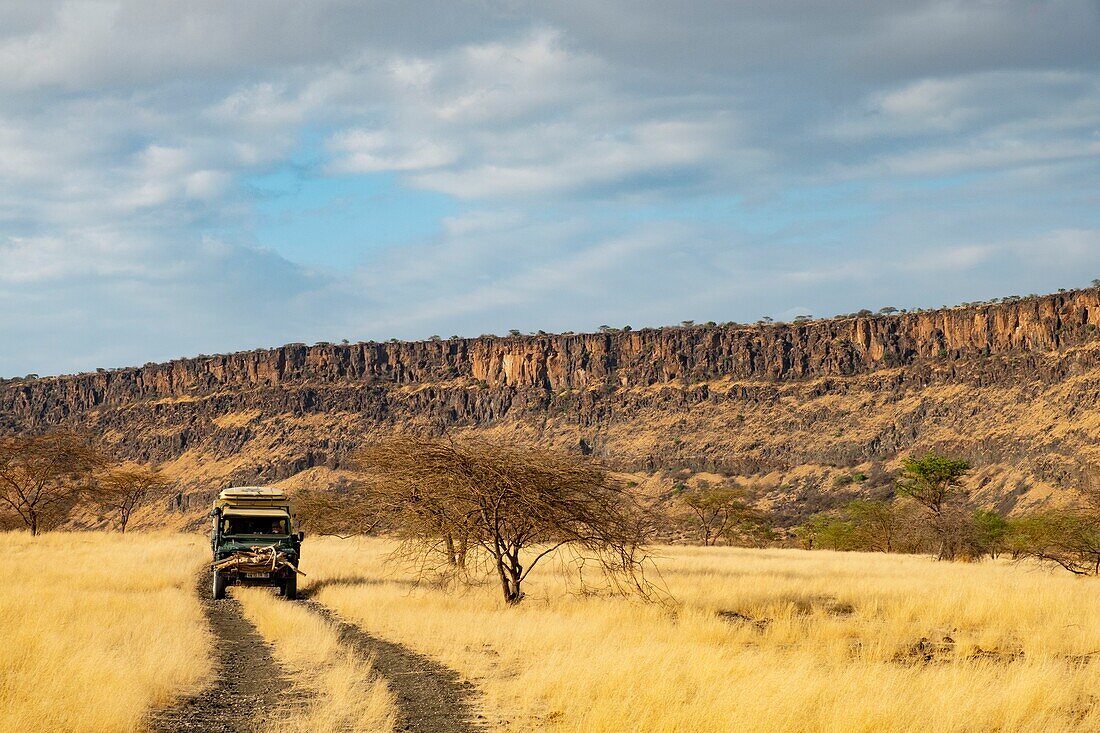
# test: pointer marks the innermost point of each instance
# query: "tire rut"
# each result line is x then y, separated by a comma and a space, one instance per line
249, 689
430, 697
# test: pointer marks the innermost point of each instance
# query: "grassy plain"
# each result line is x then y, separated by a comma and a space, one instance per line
757, 640
101, 629
98, 629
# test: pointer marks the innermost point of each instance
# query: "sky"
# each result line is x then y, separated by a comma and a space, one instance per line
216, 175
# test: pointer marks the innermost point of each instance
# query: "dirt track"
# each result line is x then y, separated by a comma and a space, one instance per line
250, 692
249, 688
430, 697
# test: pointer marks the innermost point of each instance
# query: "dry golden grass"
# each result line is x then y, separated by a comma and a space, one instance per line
342, 691
98, 629
770, 640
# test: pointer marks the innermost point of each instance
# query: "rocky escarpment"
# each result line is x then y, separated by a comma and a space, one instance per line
840, 347
736, 399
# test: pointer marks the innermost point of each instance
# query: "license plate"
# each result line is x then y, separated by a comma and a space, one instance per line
257, 575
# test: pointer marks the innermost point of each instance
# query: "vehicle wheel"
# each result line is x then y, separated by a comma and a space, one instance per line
290, 587
219, 586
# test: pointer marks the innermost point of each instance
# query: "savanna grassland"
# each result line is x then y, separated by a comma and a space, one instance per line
98, 629
755, 640
103, 630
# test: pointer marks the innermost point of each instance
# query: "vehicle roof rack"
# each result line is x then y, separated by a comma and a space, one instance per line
252, 496
263, 493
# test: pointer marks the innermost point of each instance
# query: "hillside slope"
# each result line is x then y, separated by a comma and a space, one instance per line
790, 409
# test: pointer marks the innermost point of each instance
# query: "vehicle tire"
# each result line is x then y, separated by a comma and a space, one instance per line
219, 586
290, 587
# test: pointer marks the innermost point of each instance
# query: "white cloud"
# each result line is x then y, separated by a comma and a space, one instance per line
566, 158
532, 116
599, 162
995, 120
206, 185
480, 222
987, 154
372, 151
1070, 246
93, 254
953, 258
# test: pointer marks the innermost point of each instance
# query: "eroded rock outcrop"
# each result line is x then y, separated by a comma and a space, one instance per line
738, 399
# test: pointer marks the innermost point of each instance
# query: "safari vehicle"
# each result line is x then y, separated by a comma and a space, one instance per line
253, 540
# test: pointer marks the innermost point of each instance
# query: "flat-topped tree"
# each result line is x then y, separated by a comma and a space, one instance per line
517, 504
936, 483
42, 477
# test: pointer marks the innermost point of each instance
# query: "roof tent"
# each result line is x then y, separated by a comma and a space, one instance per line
252, 497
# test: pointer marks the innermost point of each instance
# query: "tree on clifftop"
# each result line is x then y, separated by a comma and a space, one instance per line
42, 477
515, 504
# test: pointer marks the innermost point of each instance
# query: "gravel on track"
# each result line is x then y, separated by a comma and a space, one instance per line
250, 690
431, 698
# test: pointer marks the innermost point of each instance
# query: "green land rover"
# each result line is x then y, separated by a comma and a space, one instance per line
253, 540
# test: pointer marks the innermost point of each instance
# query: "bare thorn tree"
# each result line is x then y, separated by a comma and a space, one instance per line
517, 504
339, 512
123, 490
42, 477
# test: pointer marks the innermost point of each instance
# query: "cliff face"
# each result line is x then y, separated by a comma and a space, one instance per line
743, 400
842, 347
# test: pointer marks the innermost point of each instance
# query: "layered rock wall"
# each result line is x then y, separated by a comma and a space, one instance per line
555, 364
786, 408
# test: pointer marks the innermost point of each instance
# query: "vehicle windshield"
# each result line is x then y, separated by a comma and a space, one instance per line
254, 525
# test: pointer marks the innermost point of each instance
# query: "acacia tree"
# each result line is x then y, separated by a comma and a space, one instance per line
344, 511
721, 512
936, 483
1070, 539
990, 532
813, 531
42, 477
877, 525
516, 503
125, 489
